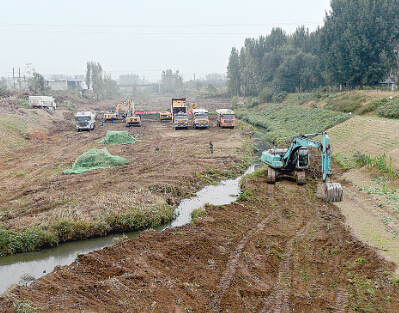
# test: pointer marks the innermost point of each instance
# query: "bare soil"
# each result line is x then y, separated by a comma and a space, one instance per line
161, 169
276, 249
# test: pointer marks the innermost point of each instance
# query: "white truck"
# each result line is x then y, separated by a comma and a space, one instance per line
225, 118
85, 120
42, 102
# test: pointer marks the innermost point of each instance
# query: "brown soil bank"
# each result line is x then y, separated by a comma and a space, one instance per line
276, 249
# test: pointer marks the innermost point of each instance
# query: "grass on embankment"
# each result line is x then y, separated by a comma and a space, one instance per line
315, 112
12, 129
282, 122
62, 230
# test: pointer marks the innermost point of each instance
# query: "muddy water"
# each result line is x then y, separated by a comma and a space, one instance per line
23, 268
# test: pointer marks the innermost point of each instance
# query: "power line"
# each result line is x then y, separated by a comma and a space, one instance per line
153, 26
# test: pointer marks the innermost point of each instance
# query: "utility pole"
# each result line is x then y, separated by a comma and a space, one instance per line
19, 79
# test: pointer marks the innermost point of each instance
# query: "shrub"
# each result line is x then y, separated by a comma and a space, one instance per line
31, 239
197, 213
389, 109
279, 97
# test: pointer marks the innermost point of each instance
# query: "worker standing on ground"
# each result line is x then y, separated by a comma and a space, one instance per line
211, 146
112, 119
102, 122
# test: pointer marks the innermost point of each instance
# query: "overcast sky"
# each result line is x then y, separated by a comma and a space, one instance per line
141, 37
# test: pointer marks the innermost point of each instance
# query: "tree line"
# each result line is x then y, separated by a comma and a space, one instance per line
356, 46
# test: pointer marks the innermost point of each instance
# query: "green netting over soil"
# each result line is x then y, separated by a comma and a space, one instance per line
95, 159
117, 137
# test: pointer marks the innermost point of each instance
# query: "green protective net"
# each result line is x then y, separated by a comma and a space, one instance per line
117, 137
95, 159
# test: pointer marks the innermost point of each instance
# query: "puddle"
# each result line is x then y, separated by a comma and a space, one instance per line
225, 192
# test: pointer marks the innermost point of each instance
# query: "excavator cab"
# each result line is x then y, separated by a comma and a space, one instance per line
303, 158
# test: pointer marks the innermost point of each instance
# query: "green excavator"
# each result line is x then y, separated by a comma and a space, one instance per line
292, 162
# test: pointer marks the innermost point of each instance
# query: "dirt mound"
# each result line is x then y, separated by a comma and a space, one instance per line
95, 159
117, 137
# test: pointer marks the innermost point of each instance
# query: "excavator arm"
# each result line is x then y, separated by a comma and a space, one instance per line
192, 106
306, 141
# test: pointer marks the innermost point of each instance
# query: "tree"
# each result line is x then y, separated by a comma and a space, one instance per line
297, 73
358, 40
172, 82
198, 85
276, 39
211, 89
233, 73
88, 74
102, 84
37, 84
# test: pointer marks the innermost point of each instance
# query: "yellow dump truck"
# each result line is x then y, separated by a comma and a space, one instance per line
200, 118
225, 118
179, 113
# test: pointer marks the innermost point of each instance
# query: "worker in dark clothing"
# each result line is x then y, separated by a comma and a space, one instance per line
211, 146
112, 119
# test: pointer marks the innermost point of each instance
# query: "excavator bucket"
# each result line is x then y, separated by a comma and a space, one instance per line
331, 192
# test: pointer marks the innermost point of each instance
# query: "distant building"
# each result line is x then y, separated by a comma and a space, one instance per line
16, 84
129, 89
392, 85
58, 85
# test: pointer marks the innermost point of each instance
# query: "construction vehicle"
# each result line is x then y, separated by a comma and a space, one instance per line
292, 161
114, 115
191, 107
85, 120
180, 120
200, 118
225, 118
179, 113
42, 102
132, 119
165, 116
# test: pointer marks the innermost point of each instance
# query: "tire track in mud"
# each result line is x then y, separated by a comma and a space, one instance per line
341, 301
232, 264
278, 299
